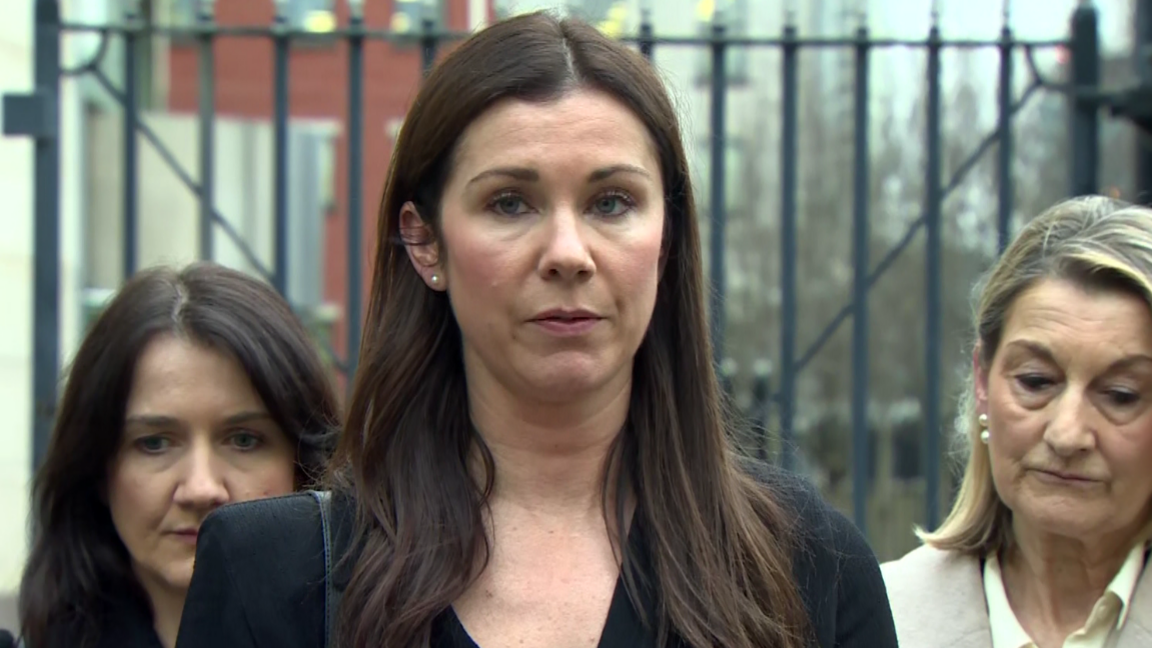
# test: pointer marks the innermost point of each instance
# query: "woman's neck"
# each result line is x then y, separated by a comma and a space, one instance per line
1053, 582
550, 458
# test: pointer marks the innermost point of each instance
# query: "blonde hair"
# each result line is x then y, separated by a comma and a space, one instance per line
1091, 240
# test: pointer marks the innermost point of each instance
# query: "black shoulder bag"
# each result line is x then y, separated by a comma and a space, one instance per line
331, 597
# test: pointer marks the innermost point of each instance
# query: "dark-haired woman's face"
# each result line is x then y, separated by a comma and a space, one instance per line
196, 436
552, 223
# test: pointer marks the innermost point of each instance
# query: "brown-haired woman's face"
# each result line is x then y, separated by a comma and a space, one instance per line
551, 222
196, 436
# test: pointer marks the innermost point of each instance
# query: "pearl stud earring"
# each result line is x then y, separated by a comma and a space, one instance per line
983, 420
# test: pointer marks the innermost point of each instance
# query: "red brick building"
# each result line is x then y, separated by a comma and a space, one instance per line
318, 88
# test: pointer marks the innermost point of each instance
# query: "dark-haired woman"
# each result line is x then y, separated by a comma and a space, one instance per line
536, 453
193, 389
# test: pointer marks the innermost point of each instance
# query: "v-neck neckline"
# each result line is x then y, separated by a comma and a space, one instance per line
622, 626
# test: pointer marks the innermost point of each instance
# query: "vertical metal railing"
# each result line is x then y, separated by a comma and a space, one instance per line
207, 98
933, 197
717, 202
1006, 150
1142, 60
860, 266
355, 186
645, 37
280, 147
789, 181
131, 148
46, 228
1085, 150
428, 41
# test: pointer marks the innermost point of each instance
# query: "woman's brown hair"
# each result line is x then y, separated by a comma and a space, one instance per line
78, 565
720, 567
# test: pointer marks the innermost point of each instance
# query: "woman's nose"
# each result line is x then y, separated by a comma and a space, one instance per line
566, 255
202, 484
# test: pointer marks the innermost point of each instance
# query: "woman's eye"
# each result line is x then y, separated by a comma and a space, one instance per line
1033, 382
1122, 397
612, 205
246, 441
152, 444
508, 205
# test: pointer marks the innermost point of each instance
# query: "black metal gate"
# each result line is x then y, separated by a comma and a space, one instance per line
36, 115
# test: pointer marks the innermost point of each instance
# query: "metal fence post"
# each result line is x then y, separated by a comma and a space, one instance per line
646, 35
1084, 155
761, 405
788, 191
718, 141
46, 230
37, 115
355, 186
1006, 149
933, 284
860, 263
280, 149
207, 97
427, 45
131, 148
1143, 62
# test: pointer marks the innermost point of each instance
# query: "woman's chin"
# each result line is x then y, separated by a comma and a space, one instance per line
572, 382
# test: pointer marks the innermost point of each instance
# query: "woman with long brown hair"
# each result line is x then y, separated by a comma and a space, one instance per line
536, 452
192, 389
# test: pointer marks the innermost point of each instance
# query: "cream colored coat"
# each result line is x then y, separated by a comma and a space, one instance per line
937, 600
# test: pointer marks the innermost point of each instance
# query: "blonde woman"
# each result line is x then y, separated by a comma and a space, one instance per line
1047, 543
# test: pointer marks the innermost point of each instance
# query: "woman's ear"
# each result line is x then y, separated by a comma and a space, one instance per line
980, 379
423, 250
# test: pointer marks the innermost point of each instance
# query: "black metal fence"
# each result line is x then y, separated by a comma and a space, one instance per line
36, 115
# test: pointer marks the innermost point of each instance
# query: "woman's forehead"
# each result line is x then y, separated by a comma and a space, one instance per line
583, 126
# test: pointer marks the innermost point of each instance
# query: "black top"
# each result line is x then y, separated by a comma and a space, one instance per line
126, 623
259, 578
129, 625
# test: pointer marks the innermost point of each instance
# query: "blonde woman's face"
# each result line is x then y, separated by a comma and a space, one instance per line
1068, 397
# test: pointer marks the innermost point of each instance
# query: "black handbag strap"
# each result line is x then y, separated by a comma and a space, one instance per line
324, 500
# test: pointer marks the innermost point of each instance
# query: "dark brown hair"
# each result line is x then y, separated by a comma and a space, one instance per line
720, 555
78, 564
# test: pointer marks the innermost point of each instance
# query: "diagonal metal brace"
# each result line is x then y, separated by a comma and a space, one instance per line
1133, 104
32, 114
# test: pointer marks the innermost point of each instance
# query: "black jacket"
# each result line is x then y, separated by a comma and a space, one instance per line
126, 622
259, 578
